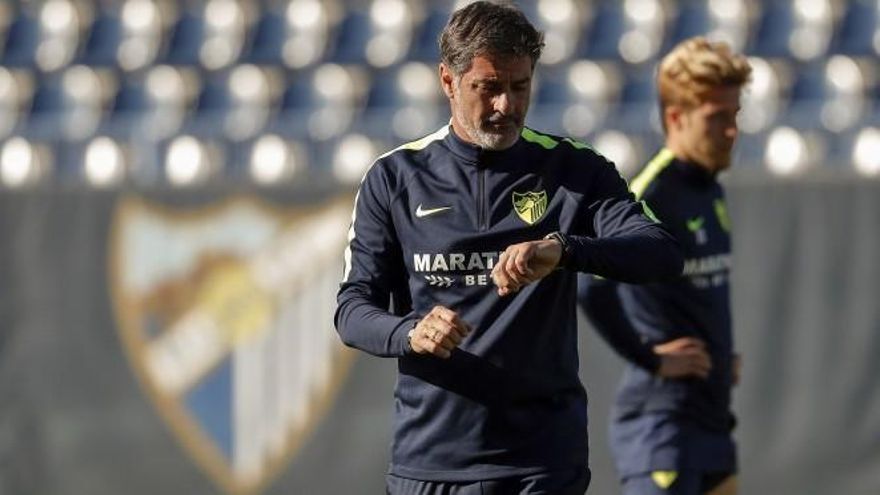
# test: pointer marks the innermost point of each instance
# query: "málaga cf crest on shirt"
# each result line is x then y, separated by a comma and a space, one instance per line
530, 206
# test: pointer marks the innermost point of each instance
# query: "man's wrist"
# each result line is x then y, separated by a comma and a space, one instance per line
565, 246
409, 336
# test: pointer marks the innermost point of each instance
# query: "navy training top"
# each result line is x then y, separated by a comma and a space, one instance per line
429, 222
690, 202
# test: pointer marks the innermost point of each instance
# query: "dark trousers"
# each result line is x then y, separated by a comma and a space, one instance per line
567, 482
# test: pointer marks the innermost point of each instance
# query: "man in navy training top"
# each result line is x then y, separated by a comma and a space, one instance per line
671, 424
462, 263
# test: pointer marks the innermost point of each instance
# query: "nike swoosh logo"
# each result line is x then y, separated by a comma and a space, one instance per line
695, 224
421, 212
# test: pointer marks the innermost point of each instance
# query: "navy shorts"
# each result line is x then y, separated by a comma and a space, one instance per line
655, 441
673, 482
567, 482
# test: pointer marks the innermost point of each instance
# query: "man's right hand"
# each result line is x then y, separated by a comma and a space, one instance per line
438, 333
683, 358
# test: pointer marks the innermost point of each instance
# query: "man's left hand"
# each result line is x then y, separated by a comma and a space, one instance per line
524, 263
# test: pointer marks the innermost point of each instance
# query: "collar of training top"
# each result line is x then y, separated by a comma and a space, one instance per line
472, 153
697, 174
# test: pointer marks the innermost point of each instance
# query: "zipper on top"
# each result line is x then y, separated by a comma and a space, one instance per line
481, 199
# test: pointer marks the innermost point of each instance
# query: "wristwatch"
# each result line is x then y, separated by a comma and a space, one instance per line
409, 336
565, 257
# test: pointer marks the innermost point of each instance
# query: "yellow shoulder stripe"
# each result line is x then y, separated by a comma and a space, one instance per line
650, 172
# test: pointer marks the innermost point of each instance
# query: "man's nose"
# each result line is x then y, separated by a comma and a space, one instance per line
731, 131
502, 103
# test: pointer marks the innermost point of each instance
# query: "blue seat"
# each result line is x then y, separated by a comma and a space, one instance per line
130, 98
267, 39
855, 35
127, 108
22, 40
604, 33
773, 31
211, 107
639, 86
214, 96
552, 86
384, 91
809, 84
693, 20
807, 99
389, 106
47, 105
48, 98
415, 81
299, 92
425, 46
186, 40
638, 107
352, 36
102, 42
297, 102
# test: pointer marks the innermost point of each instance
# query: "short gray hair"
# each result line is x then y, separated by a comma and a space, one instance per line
488, 28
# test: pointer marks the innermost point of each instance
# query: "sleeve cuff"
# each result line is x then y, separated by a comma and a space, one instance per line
403, 334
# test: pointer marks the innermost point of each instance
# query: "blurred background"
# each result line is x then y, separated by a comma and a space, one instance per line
176, 180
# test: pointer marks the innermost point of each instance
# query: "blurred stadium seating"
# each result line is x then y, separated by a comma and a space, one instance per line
155, 92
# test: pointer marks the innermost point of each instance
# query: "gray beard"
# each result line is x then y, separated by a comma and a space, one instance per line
493, 141
487, 140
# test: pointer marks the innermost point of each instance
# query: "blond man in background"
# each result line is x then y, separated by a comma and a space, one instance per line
672, 421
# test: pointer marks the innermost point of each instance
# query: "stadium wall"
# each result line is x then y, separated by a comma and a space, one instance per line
90, 406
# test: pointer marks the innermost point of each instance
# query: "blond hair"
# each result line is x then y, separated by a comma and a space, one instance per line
696, 66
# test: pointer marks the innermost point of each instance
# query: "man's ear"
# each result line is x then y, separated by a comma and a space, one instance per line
446, 80
672, 116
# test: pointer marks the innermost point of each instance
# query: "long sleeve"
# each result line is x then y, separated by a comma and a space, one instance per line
628, 245
374, 272
601, 303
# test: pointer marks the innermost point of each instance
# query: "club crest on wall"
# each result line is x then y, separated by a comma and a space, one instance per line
226, 316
